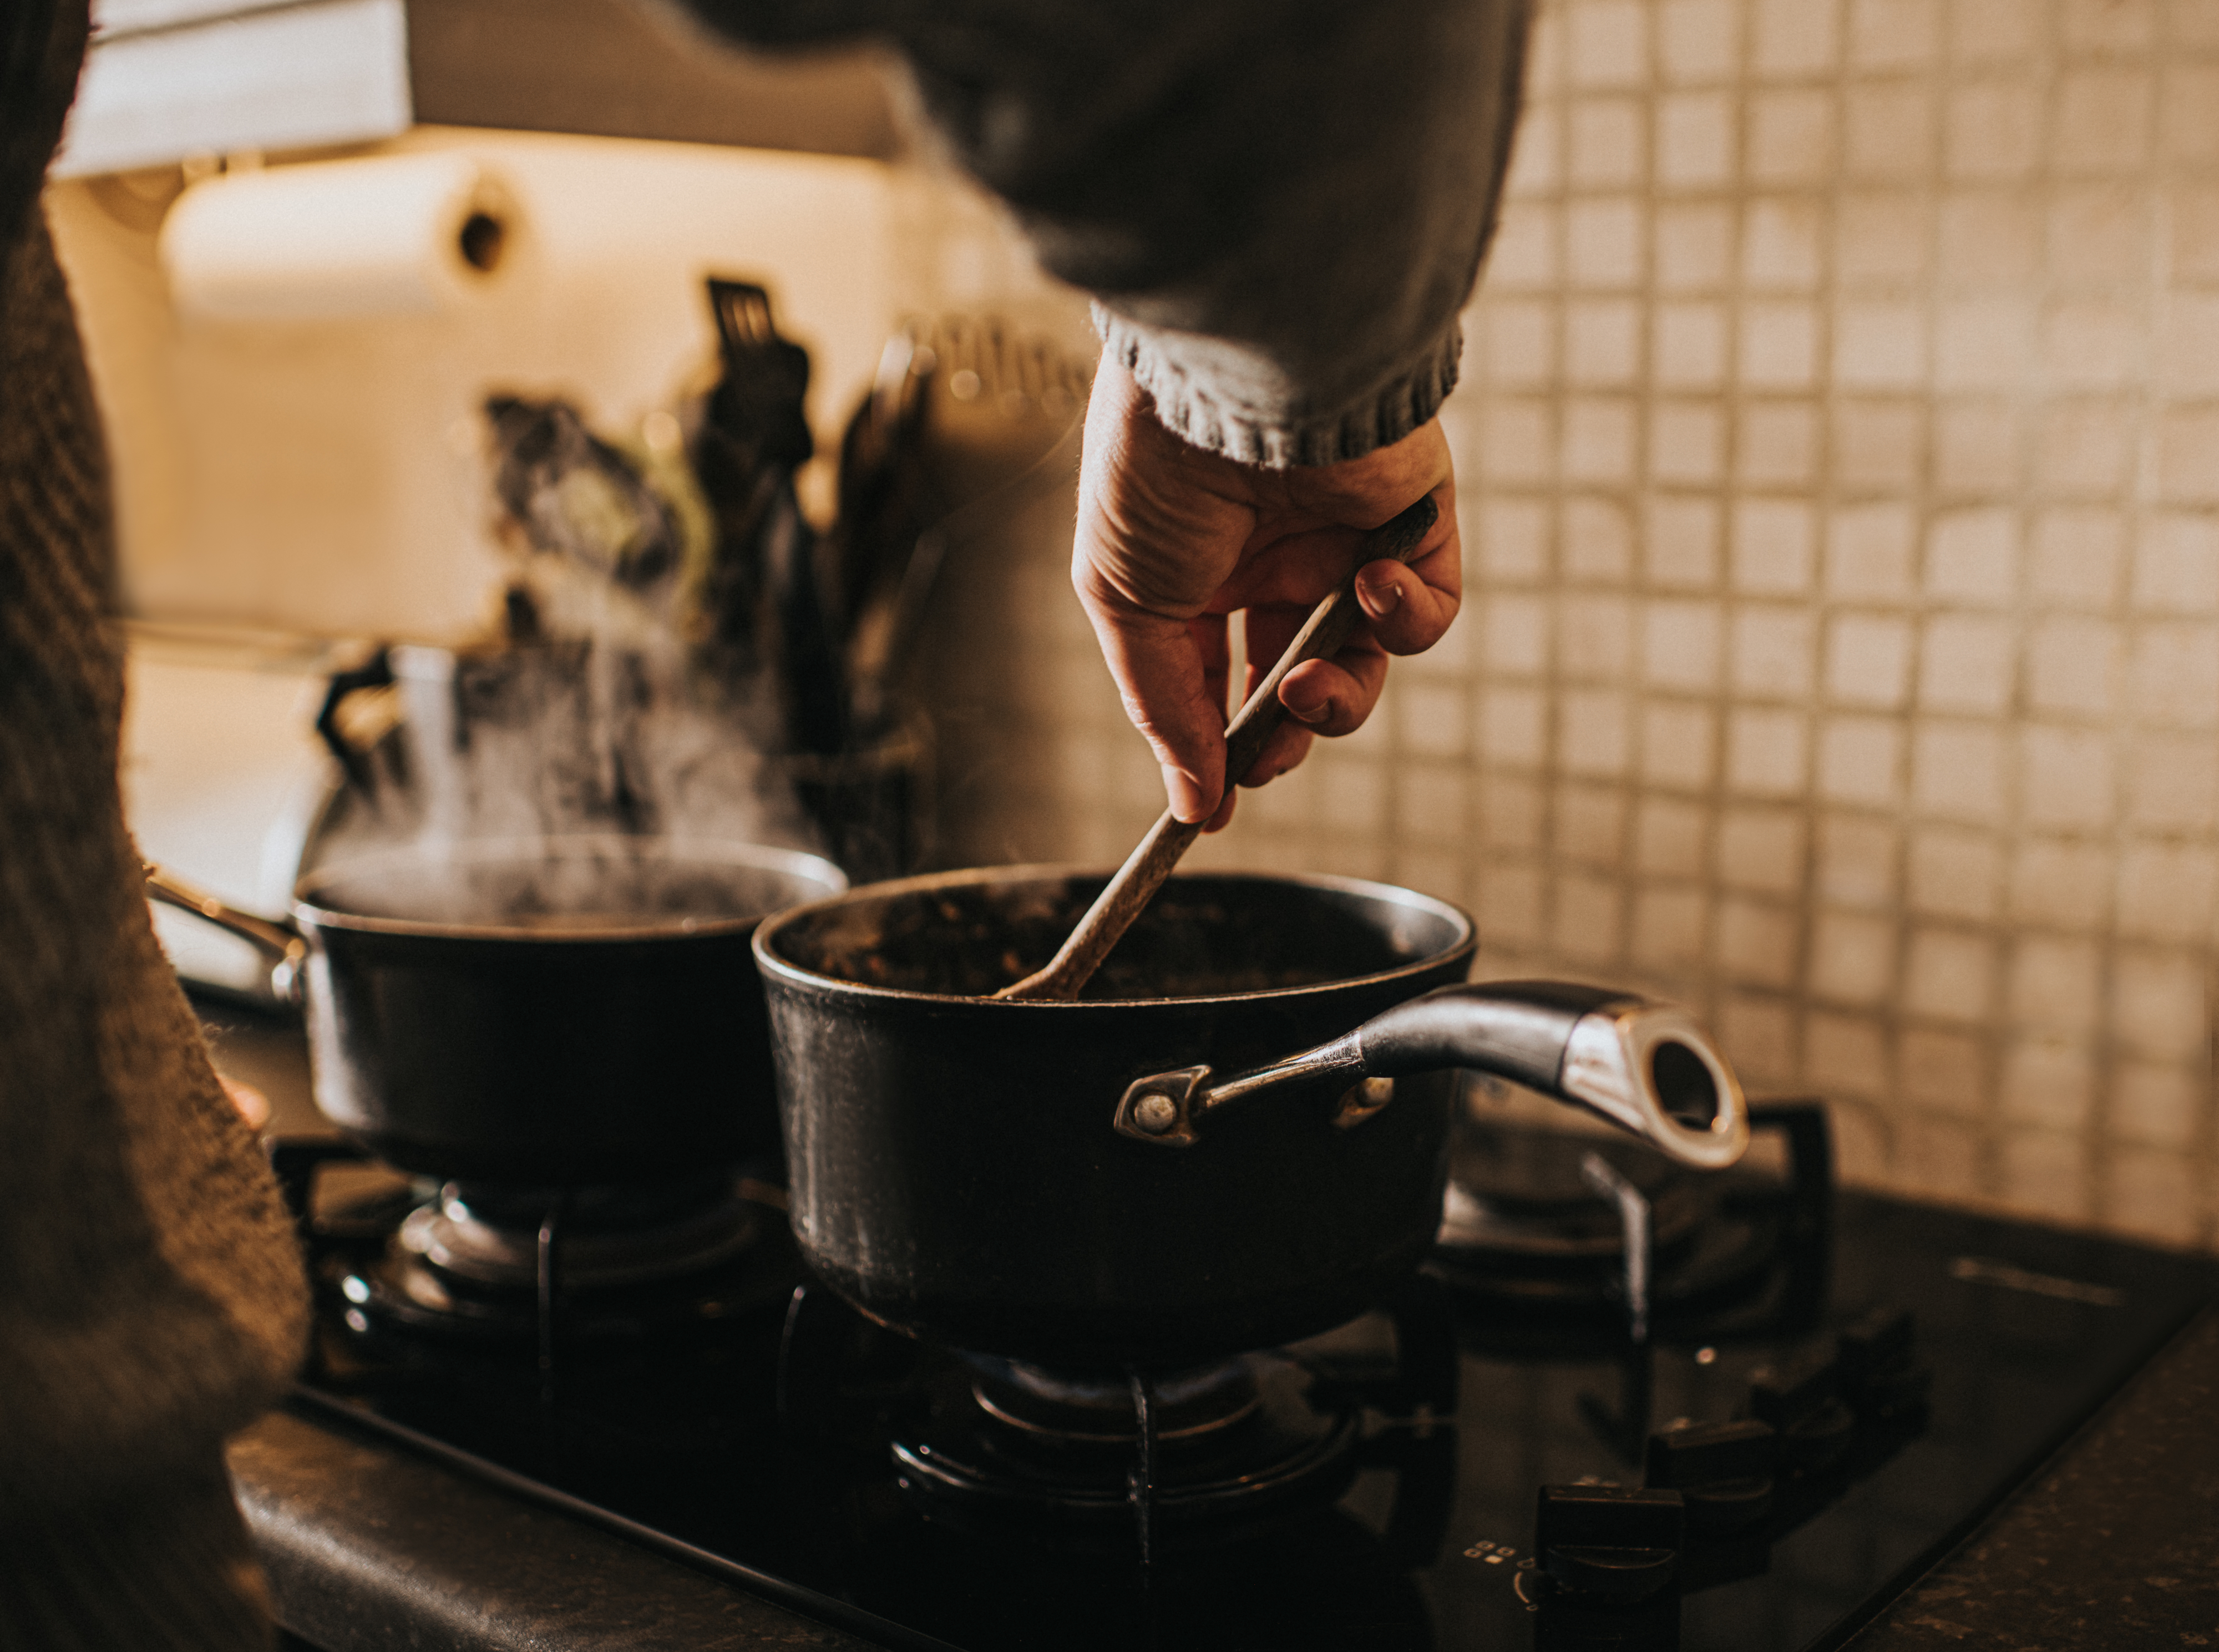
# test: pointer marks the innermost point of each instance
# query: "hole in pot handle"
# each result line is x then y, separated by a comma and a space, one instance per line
1644, 1066
284, 950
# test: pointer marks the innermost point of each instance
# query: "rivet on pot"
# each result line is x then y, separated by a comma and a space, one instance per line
1155, 1113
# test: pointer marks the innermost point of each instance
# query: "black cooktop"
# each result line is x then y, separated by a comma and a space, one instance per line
1913, 1364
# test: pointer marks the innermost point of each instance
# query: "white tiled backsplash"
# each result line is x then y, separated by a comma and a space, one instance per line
1839, 458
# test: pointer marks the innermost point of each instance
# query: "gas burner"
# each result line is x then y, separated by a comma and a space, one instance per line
1083, 1411
612, 1237
1546, 1234
512, 1269
1058, 1454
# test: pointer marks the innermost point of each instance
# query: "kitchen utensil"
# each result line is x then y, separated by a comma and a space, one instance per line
552, 1012
1241, 1140
1324, 635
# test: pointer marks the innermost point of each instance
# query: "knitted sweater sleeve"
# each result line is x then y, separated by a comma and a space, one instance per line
1279, 206
150, 1293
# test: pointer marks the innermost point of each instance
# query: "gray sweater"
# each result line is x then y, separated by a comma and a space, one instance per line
1281, 206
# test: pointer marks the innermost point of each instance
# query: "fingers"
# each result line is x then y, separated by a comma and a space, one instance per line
253, 1105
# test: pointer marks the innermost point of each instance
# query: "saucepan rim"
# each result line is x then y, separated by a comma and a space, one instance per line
772, 964
309, 913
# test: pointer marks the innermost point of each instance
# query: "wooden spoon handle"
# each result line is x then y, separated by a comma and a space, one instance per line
1322, 636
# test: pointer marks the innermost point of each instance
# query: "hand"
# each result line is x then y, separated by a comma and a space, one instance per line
253, 1105
1172, 539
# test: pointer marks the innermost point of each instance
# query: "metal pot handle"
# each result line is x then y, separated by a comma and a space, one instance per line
1644, 1066
278, 942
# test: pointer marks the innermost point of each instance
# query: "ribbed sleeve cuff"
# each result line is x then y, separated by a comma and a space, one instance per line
1192, 383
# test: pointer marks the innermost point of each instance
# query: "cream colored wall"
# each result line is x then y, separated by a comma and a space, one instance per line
1839, 452
329, 476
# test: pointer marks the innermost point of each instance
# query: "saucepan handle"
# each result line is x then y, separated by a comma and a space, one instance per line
1642, 1065
279, 943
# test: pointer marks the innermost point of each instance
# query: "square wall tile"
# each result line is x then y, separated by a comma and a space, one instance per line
2060, 884
1869, 660
1670, 927
1688, 346
1678, 746
1889, 130
1511, 546
1957, 771
1947, 1070
1698, 40
1992, 130
1782, 242
1767, 752
2067, 778
1883, 239
2167, 890
1777, 445
1761, 850
1517, 636
1696, 138
1608, 142
1696, 246
2176, 675
2103, 119
1772, 547
1971, 556
1956, 875
1949, 975
1680, 644
1595, 638
1885, 34
1755, 941
1872, 552
1669, 838
1976, 448
1879, 446
1790, 136
1597, 539
2072, 665
1845, 1054
1773, 651
2048, 1084
2079, 554
2155, 1195
1680, 545
1853, 957
1966, 664
1861, 760
1856, 861
2046, 1175
1606, 42
1590, 824
1794, 37
2158, 1106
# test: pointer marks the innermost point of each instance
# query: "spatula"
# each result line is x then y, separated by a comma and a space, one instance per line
1127, 894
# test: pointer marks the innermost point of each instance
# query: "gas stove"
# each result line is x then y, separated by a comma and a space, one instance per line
1620, 1407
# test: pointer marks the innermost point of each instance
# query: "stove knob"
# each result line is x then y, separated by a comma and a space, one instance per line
1609, 1542
1800, 1398
1723, 1472
1879, 1375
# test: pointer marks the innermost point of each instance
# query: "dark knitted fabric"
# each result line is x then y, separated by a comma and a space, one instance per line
151, 1294
1281, 205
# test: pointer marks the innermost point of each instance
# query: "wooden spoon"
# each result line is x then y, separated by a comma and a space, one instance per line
1322, 636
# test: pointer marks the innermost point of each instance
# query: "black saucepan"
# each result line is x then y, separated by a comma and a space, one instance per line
1237, 1139
550, 1011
